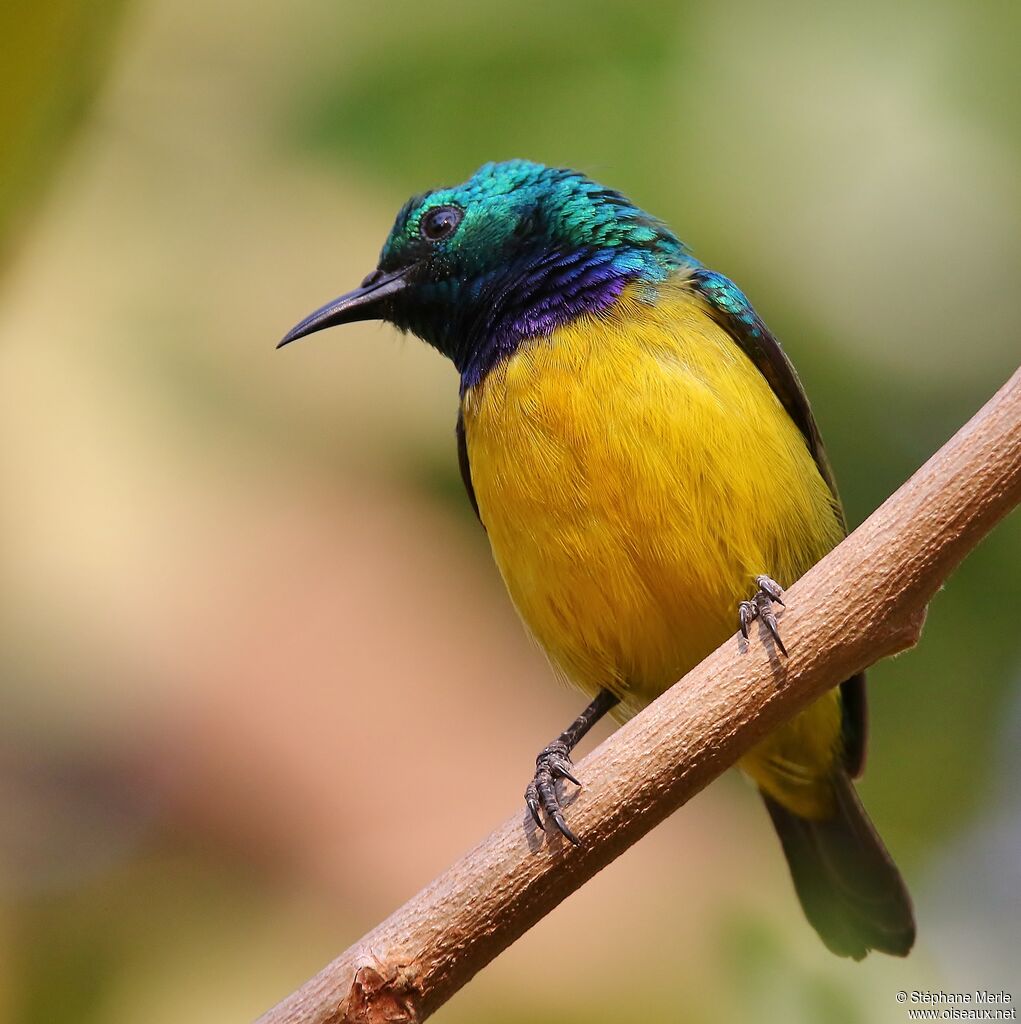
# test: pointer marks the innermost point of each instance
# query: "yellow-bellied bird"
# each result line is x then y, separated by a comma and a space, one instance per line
645, 463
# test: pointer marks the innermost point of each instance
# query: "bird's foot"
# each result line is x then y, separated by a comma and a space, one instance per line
761, 607
553, 763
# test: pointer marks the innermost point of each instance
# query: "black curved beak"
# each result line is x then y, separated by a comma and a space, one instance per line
364, 303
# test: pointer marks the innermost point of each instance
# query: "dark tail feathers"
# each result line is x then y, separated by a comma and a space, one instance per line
850, 889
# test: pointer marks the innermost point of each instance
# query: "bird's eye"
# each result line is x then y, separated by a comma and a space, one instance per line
440, 223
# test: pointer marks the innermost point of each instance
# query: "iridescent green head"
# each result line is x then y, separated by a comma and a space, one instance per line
515, 251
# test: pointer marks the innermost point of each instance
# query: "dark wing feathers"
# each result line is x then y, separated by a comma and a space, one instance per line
464, 465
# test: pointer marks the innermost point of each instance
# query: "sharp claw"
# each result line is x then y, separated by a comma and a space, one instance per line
561, 769
770, 621
532, 802
746, 612
558, 820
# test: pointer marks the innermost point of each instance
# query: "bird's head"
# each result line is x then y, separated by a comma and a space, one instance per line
512, 253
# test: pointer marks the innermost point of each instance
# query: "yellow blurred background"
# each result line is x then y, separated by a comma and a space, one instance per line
252, 644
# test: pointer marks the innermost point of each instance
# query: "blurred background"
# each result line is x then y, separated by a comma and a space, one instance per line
250, 630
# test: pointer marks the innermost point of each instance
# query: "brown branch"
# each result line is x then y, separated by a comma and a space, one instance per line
864, 601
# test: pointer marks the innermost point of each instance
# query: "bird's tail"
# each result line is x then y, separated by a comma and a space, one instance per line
848, 885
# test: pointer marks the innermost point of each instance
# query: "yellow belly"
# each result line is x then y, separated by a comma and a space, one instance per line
634, 474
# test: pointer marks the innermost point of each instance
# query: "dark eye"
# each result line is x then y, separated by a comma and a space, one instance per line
440, 223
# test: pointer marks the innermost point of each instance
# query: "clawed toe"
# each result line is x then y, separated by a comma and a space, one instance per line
552, 764
761, 607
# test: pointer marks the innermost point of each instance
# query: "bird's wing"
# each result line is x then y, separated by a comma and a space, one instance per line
735, 314
464, 465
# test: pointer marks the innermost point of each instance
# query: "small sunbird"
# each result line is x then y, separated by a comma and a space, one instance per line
645, 463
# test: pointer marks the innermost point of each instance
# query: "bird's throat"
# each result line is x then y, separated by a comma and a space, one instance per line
478, 325
546, 296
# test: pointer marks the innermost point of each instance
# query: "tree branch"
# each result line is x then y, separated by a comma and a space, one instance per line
864, 601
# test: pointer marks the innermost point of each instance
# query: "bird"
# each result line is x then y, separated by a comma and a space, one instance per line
645, 463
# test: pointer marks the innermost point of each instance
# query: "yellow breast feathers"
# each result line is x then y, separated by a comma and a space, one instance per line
634, 473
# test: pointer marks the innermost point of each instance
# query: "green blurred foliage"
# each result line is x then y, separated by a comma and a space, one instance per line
448, 88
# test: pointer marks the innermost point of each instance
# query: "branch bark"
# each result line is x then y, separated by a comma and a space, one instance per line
864, 601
